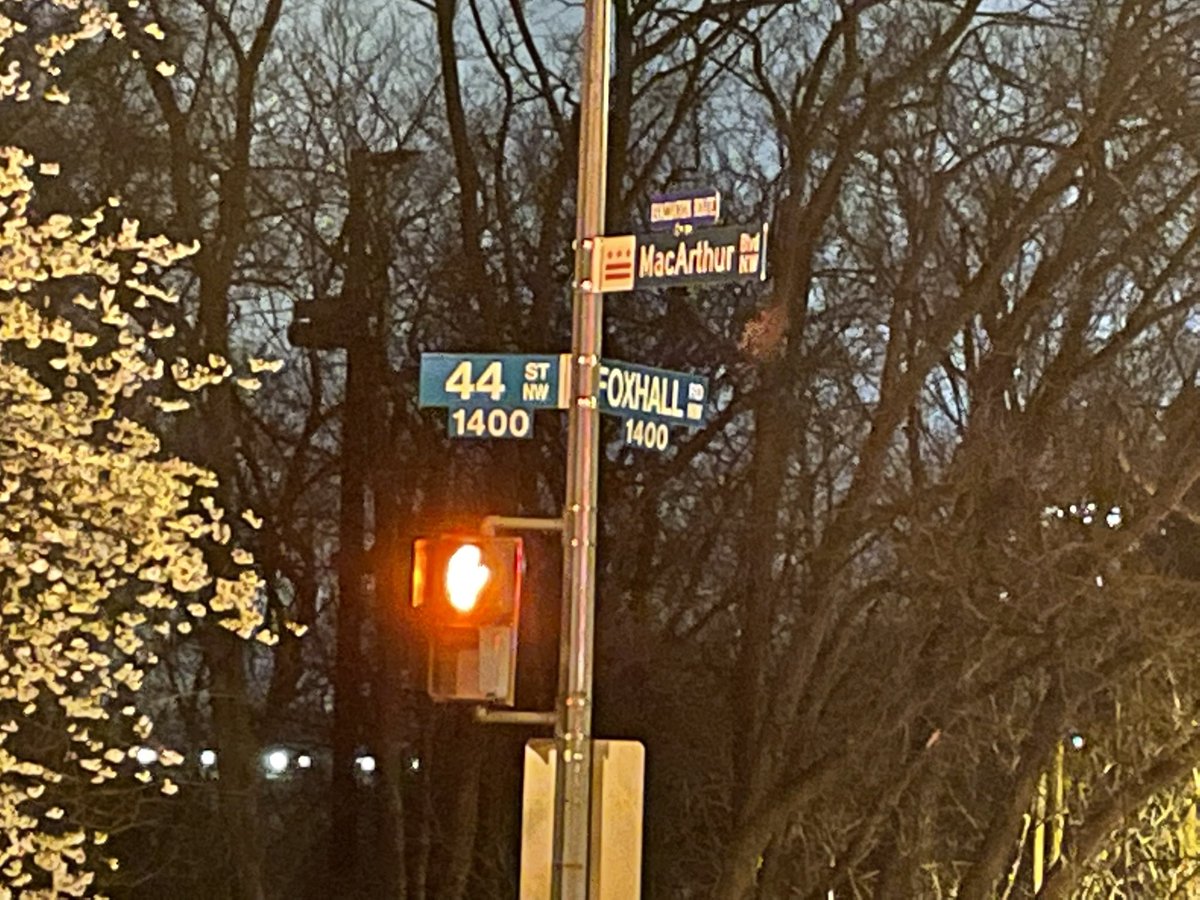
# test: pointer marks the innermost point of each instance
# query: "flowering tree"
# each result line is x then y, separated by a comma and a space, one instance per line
106, 544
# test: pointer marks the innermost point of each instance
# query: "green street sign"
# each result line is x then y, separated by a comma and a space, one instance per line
485, 380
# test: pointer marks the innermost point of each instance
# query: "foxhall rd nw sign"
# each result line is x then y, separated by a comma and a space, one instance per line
649, 399
705, 256
660, 395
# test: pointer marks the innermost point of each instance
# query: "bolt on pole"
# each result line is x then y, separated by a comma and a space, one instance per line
573, 730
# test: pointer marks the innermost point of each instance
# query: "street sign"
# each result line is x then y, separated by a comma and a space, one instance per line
618, 810
658, 395
494, 394
706, 256
650, 399
493, 380
686, 209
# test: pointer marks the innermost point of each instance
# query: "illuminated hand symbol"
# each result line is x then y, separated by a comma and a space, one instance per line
465, 577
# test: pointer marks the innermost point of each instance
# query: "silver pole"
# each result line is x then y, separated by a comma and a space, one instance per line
573, 730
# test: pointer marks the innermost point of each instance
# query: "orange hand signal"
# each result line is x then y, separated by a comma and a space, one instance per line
466, 576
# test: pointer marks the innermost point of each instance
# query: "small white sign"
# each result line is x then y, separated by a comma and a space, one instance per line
612, 263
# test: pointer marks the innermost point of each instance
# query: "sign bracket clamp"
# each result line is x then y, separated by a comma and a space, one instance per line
486, 715
493, 524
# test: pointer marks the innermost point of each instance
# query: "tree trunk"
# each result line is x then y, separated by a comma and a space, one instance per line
238, 761
461, 767
619, 117
999, 841
349, 676
466, 168
739, 871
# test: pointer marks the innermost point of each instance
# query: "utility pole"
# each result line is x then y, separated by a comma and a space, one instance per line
355, 322
573, 728
348, 667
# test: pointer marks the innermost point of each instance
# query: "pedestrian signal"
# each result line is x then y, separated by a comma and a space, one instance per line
467, 591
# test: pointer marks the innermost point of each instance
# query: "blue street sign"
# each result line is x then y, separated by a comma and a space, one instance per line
684, 208
493, 394
653, 395
493, 380
707, 256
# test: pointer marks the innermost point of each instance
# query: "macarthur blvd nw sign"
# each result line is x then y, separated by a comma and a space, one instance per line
705, 256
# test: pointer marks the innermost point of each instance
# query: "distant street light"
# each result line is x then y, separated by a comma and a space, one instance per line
276, 762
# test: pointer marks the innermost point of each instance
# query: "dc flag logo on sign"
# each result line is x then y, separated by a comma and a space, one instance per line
613, 266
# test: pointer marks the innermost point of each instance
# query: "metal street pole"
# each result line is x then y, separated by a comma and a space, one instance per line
573, 729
